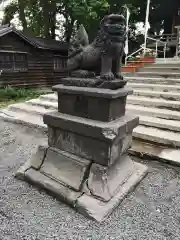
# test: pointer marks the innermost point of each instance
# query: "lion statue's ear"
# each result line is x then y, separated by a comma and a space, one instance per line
103, 20
82, 36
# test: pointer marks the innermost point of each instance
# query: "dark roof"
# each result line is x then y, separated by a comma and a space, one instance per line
38, 42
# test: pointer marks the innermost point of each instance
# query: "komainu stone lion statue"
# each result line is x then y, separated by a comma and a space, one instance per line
104, 55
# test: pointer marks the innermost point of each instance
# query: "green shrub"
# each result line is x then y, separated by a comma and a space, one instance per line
10, 93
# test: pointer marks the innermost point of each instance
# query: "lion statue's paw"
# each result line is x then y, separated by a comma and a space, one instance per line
108, 76
119, 76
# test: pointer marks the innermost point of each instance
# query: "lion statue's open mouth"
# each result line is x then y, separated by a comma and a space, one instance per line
114, 24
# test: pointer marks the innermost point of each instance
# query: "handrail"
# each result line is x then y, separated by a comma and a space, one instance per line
157, 40
132, 54
145, 48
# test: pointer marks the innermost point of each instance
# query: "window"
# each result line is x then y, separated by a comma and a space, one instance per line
60, 63
13, 61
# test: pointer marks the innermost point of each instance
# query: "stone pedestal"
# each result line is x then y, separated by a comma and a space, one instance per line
85, 163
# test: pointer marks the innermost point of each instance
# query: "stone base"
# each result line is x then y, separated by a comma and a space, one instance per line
99, 210
91, 189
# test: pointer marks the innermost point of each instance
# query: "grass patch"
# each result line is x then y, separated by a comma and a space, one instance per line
10, 95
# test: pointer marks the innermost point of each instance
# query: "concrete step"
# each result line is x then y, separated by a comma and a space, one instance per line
157, 136
28, 108
152, 80
164, 69
47, 104
155, 152
25, 109
155, 87
167, 60
174, 96
172, 125
168, 64
153, 112
25, 119
153, 102
49, 97
153, 74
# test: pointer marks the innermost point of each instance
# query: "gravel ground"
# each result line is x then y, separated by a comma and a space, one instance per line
151, 212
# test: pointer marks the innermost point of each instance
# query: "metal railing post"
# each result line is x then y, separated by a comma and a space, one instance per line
126, 60
165, 48
156, 48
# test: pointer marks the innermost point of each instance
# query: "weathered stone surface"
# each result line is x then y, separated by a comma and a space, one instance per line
104, 105
104, 54
99, 210
93, 82
65, 168
96, 150
102, 143
92, 108
93, 92
63, 193
104, 182
35, 162
107, 132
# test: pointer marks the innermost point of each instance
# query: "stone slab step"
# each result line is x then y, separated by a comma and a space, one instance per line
168, 64
153, 112
155, 152
153, 102
172, 125
157, 136
167, 60
44, 103
49, 97
155, 87
164, 69
23, 118
24, 108
156, 94
28, 108
154, 74
152, 80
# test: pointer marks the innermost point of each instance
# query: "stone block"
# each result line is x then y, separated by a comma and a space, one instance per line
63, 193
91, 81
65, 168
102, 143
35, 162
92, 103
99, 210
104, 182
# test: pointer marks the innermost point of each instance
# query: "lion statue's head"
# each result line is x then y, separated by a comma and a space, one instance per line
112, 28
114, 25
